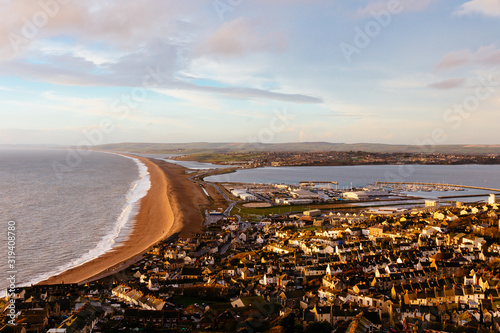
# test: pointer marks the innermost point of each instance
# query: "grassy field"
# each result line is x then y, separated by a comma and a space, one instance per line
252, 213
201, 175
215, 157
240, 210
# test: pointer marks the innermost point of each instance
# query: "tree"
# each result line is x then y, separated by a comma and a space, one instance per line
288, 322
319, 327
494, 266
298, 328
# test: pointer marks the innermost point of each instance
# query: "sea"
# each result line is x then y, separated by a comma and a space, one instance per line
63, 208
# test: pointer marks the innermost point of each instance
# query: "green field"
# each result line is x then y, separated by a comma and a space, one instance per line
215, 157
250, 213
240, 210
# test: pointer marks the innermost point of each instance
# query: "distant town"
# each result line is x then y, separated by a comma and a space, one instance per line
261, 159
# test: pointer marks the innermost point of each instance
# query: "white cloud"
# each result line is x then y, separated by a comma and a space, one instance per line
485, 56
484, 7
69, 68
241, 36
448, 84
126, 25
97, 56
255, 73
195, 99
244, 93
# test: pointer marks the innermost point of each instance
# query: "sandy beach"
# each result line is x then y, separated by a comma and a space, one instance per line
172, 205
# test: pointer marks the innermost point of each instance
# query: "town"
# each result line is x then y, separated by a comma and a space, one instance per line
290, 158
432, 269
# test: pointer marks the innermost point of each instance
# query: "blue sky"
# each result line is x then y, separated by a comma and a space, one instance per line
398, 71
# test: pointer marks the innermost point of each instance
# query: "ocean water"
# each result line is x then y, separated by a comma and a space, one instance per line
67, 207
193, 165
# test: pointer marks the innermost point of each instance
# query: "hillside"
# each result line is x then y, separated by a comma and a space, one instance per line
227, 147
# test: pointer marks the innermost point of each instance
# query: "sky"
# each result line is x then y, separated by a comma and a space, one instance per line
351, 71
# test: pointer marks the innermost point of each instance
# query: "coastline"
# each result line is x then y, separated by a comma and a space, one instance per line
165, 210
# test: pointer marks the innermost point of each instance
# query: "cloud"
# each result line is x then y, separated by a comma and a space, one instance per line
448, 84
126, 25
69, 69
244, 93
454, 59
203, 101
484, 7
257, 71
343, 115
109, 44
241, 36
404, 6
485, 56
130, 71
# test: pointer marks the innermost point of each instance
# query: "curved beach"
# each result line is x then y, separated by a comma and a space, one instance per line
170, 206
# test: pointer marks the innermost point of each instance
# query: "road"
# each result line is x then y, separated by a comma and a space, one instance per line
231, 203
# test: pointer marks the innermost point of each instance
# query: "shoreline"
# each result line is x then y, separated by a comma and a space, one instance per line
160, 216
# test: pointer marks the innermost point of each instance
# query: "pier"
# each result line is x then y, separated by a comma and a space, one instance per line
314, 182
462, 196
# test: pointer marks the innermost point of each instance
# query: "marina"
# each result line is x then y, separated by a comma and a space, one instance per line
429, 187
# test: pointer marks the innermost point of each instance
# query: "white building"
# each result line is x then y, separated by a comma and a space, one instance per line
432, 203
304, 194
248, 197
386, 210
243, 194
289, 201
491, 199
364, 195
314, 212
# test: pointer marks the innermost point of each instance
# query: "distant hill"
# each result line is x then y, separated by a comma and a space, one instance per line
24, 146
228, 147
